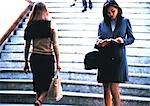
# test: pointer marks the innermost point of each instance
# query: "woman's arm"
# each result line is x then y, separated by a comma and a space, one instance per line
26, 54
55, 44
130, 38
56, 48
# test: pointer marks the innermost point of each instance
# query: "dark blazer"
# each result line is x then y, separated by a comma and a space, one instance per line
122, 29
114, 55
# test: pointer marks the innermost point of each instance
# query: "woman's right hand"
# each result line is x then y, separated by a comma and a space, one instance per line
102, 43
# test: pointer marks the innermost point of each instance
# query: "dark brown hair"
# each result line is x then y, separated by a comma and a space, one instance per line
106, 5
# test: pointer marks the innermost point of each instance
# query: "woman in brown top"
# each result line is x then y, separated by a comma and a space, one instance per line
45, 50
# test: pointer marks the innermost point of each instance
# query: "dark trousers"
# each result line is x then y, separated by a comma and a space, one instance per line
84, 2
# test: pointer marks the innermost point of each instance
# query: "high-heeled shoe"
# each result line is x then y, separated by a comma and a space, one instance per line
38, 103
72, 5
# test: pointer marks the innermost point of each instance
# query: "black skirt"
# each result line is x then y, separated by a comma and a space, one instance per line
42, 67
113, 67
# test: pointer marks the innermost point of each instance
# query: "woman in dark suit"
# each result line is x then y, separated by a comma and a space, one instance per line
114, 34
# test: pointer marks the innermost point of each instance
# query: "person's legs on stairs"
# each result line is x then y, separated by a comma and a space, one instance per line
115, 94
39, 98
90, 4
107, 94
84, 5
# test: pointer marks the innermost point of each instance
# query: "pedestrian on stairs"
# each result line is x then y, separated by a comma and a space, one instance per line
114, 33
84, 2
41, 31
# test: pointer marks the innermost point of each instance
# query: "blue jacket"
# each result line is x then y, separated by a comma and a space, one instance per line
123, 30
114, 55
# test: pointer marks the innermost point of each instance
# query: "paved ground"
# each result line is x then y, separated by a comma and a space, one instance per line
30, 105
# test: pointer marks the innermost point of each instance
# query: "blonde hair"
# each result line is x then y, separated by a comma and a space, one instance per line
39, 12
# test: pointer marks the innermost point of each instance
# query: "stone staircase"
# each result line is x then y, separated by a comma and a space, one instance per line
77, 36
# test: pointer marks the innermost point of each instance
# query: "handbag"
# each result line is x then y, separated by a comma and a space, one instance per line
92, 60
55, 89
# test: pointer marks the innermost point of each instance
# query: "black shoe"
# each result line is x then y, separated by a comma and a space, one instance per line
84, 10
90, 6
72, 5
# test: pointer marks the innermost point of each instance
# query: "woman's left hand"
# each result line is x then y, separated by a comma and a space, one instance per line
119, 40
26, 68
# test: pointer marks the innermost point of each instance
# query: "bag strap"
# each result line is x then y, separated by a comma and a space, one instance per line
57, 74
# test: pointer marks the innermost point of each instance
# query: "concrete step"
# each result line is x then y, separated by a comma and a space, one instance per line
128, 8
91, 27
78, 57
81, 34
92, 33
64, 40
70, 98
66, 1
93, 15
142, 58
134, 78
77, 86
143, 49
91, 21
72, 66
97, 4
73, 48
11, 104
17, 44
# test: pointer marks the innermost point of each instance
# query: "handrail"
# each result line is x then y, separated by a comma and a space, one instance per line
15, 23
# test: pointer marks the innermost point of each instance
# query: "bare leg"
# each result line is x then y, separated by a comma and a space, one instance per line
107, 94
39, 98
115, 94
